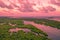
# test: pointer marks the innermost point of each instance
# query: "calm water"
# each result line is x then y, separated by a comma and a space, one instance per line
53, 33
56, 19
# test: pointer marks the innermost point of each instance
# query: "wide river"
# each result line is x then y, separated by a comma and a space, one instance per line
53, 33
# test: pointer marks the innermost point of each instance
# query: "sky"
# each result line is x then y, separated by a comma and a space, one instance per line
29, 8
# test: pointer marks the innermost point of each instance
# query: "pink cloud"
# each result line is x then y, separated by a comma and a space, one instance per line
14, 9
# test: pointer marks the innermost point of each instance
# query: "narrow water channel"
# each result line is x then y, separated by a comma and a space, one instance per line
53, 33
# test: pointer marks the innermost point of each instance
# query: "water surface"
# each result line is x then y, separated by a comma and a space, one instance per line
53, 33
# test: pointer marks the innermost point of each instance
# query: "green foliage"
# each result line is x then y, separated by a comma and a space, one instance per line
20, 35
47, 22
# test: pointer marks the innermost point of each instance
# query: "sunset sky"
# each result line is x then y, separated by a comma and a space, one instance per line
29, 8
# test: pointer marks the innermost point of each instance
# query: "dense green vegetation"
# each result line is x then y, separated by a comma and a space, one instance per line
7, 23
52, 23
46, 22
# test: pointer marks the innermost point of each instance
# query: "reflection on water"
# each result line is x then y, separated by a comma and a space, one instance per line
56, 19
53, 33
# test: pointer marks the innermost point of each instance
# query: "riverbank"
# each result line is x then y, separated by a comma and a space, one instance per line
14, 29
53, 33
47, 22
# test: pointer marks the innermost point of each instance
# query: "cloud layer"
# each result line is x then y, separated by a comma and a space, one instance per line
31, 8
29, 5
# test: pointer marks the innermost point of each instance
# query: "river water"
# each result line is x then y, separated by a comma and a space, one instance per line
53, 33
56, 19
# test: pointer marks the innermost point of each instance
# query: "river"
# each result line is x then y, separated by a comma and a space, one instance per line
53, 33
